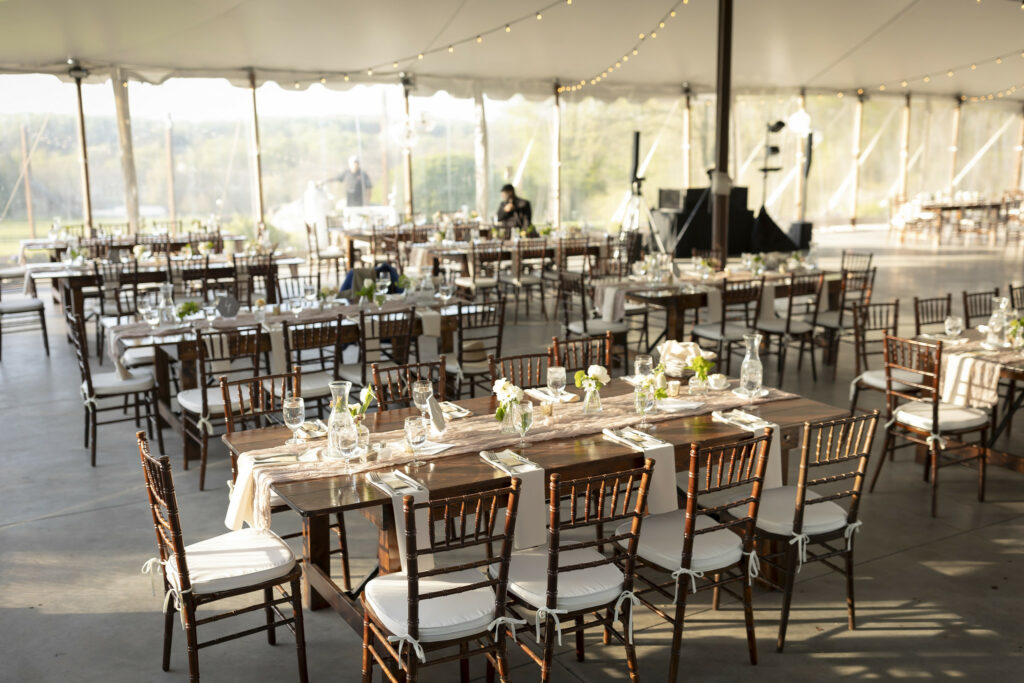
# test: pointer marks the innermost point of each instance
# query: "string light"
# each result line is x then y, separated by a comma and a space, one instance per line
323, 80
451, 48
479, 39
508, 29
539, 16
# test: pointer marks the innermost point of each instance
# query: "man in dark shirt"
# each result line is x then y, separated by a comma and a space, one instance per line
514, 211
357, 183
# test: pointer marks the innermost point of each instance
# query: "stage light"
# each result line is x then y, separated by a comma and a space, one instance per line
776, 126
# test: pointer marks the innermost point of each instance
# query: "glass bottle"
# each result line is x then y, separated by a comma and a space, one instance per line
751, 371
340, 425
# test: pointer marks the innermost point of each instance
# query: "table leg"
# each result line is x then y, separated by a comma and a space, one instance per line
316, 554
387, 542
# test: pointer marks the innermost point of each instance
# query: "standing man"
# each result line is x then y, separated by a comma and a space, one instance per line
357, 183
514, 211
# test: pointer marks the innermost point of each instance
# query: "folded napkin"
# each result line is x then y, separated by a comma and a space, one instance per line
970, 381
432, 448
397, 484
661, 496
672, 405
431, 322
544, 394
240, 504
671, 351
755, 425
531, 527
454, 411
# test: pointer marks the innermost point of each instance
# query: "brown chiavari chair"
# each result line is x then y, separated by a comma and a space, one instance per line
574, 298
466, 607
699, 551
294, 286
233, 354
856, 260
251, 276
484, 261
931, 311
329, 257
528, 371
978, 306
189, 275
118, 298
579, 354
315, 348
871, 325
821, 510
227, 566
1016, 296
108, 391
855, 287
21, 312
382, 337
726, 332
570, 580
393, 385
166, 226
480, 330
922, 419
527, 264
805, 292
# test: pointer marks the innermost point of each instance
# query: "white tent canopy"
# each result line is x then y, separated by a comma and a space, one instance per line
824, 45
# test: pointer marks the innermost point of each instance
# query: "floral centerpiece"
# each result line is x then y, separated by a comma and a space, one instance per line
1016, 332
437, 237
591, 382
358, 410
700, 366
328, 293
187, 308
509, 396
757, 264
368, 290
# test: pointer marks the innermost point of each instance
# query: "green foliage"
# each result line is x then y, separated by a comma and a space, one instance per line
187, 308
443, 182
701, 366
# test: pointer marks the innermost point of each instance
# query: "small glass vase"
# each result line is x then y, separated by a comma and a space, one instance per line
592, 402
508, 420
751, 370
698, 386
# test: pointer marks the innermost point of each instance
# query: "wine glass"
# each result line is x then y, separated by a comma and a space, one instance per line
524, 420
294, 410
210, 313
954, 326
556, 380
152, 317
447, 290
643, 401
309, 293
143, 306
416, 429
643, 366
296, 307
422, 391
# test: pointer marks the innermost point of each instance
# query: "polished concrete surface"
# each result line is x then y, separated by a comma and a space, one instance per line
937, 599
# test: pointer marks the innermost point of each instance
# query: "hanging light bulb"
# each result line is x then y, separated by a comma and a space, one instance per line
479, 39
369, 72
949, 74
642, 36
508, 28
974, 67
539, 16
999, 60
394, 65
927, 79
419, 56
903, 84
882, 87
346, 77
451, 48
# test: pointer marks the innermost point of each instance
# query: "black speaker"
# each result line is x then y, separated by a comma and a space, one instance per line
800, 233
670, 199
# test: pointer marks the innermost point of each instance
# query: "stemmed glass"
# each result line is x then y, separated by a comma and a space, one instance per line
309, 293
954, 326
524, 420
152, 317
556, 380
296, 307
422, 390
643, 401
416, 429
294, 410
380, 293
210, 313
143, 306
447, 290
643, 366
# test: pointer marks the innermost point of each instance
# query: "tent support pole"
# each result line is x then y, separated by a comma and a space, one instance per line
721, 183
1016, 166
687, 97
83, 156
256, 161
481, 153
26, 179
407, 151
124, 133
556, 161
858, 130
801, 181
172, 205
904, 151
954, 144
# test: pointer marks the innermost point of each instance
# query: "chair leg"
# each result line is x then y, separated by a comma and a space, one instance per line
933, 458
346, 577
85, 430
579, 639
367, 644
168, 634
202, 457
677, 635
783, 348
547, 651
631, 661
716, 593
464, 663
748, 616
850, 607
853, 402
787, 596
982, 465
268, 597
156, 420
46, 339
92, 437
300, 629
886, 445
193, 646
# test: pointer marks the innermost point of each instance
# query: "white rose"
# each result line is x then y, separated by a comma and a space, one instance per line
368, 282
599, 373
365, 394
517, 393
499, 386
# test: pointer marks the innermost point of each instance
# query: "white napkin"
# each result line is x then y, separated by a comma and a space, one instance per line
970, 381
676, 404
431, 322
767, 302
278, 362
531, 526
756, 425
714, 296
543, 394
436, 415
397, 484
661, 496
240, 503
671, 350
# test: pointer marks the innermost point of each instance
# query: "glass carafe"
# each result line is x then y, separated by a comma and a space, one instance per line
998, 322
340, 425
166, 303
751, 371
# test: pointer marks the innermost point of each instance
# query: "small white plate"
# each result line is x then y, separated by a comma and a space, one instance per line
761, 394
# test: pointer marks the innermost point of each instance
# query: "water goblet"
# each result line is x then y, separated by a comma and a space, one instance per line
296, 307
210, 313
643, 401
954, 325
446, 291
416, 430
422, 390
524, 420
294, 410
643, 366
556, 380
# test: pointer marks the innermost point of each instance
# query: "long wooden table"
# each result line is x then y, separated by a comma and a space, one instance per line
317, 500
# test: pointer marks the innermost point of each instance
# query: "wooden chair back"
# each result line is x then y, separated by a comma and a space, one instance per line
294, 287
480, 330
805, 294
393, 385
528, 252
741, 302
581, 353
912, 356
250, 271
76, 331
569, 247
118, 287
978, 306
1016, 295
871, 325
229, 353
485, 259
189, 275
163, 505
255, 402
855, 288
931, 311
528, 371
601, 501
384, 336
473, 521
313, 346
573, 297
834, 451
856, 260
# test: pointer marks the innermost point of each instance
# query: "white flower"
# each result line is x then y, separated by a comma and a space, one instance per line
517, 393
499, 385
507, 392
599, 373
365, 394
369, 282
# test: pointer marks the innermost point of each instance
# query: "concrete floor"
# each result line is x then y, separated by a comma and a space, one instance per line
937, 598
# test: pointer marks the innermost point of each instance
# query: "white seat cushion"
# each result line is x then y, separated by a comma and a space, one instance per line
237, 559
775, 513
876, 379
350, 372
733, 332
140, 355
661, 543
110, 384
598, 326
778, 326
479, 283
192, 400
311, 384
829, 319
443, 618
20, 306
526, 280
468, 368
951, 418
591, 587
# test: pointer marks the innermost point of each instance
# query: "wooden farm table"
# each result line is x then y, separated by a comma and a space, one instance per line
317, 500
56, 247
